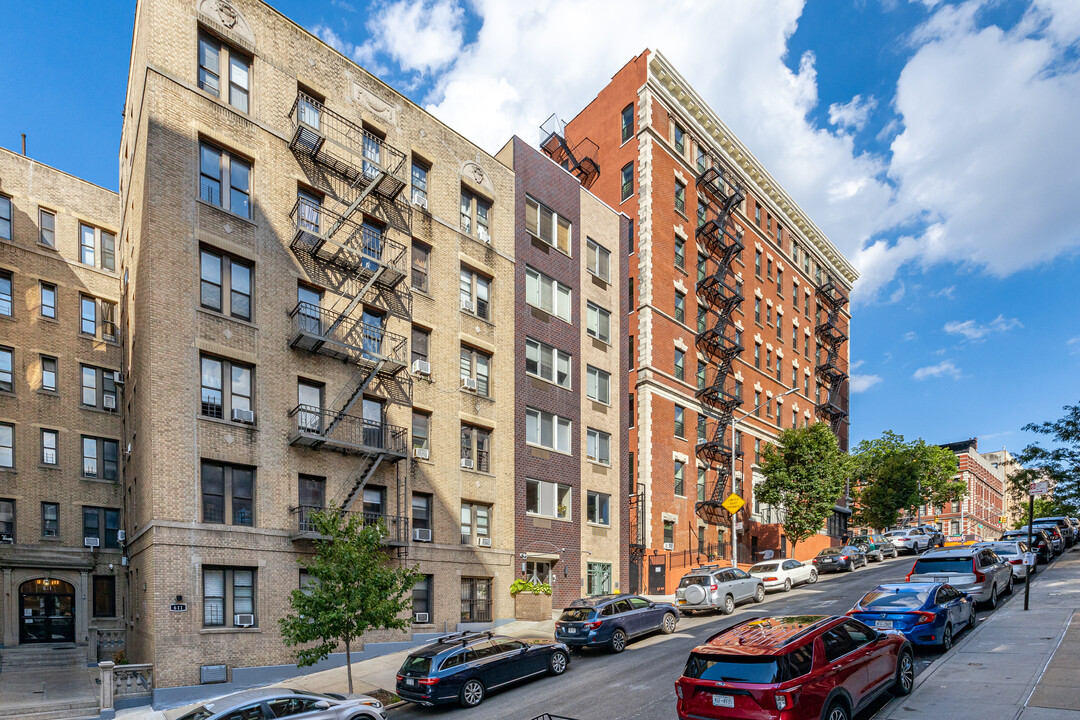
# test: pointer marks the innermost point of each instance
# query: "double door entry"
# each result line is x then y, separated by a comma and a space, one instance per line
46, 611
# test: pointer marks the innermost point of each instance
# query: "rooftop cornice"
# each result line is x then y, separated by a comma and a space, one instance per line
668, 81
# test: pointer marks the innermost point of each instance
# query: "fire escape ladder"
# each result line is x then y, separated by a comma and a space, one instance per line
580, 160
368, 466
829, 373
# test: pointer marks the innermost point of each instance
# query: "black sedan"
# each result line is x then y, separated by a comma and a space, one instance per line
611, 620
464, 667
839, 558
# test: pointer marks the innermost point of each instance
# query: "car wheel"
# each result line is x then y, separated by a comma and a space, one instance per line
558, 662
759, 594
905, 673
472, 693
946, 638
729, 605
863, 547
618, 641
813, 576
787, 585
668, 626
837, 711
851, 566
972, 619
1012, 580
992, 602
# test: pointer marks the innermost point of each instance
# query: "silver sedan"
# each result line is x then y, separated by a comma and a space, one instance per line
274, 702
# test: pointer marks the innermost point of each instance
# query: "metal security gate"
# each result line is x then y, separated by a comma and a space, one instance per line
658, 576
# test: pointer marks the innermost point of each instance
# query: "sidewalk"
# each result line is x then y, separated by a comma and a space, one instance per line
1015, 665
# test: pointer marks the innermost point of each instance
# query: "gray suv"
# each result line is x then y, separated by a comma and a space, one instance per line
977, 571
1068, 532
711, 587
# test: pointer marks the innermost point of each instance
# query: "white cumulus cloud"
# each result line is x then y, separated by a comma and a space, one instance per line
862, 383
945, 368
854, 114
974, 331
422, 36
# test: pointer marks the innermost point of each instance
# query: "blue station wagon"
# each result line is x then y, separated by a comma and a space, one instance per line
611, 620
464, 667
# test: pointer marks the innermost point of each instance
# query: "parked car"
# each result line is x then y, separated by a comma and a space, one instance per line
1057, 540
974, 570
839, 557
1016, 553
937, 538
711, 587
789, 668
876, 547
275, 702
1066, 527
911, 540
464, 667
783, 574
612, 620
927, 613
1041, 543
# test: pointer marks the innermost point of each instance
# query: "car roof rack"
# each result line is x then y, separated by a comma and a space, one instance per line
705, 567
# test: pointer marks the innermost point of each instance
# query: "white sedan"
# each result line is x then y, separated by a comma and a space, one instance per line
1015, 553
783, 574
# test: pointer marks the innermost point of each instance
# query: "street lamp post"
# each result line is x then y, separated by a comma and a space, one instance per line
734, 453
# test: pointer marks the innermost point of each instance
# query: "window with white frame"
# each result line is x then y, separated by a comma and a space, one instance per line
47, 227
598, 446
228, 596
476, 448
475, 291
48, 300
476, 214
598, 385
547, 225
98, 388
598, 508
597, 322
547, 499
6, 297
476, 366
5, 217
547, 430
547, 363
598, 260
546, 293
50, 441
100, 458
221, 66
420, 183
48, 373
475, 523
7, 370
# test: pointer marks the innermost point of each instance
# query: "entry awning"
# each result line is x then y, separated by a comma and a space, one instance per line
554, 557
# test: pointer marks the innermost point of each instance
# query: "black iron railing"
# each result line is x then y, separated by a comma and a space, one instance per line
316, 426
396, 527
368, 342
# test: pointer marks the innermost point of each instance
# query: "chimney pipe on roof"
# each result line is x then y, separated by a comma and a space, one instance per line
24, 144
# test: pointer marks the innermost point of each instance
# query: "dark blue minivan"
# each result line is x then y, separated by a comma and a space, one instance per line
611, 620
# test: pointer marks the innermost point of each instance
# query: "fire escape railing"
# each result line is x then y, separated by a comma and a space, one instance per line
830, 375
579, 160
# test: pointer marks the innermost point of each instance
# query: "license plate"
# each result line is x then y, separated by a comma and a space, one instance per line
571, 631
941, 579
885, 624
682, 602
723, 701
410, 682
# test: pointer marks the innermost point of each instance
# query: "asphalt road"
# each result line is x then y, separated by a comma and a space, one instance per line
639, 684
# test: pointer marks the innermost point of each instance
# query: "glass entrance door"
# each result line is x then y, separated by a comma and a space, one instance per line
47, 611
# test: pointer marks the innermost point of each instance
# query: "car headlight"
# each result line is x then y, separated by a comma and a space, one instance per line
371, 703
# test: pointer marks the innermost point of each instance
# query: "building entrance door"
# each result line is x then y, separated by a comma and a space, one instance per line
47, 611
658, 576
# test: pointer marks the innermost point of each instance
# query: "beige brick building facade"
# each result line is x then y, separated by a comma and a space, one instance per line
60, 426
320, 303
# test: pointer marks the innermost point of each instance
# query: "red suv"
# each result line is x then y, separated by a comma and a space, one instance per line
794, 668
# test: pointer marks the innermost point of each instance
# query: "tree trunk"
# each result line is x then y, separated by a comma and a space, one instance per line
348, 663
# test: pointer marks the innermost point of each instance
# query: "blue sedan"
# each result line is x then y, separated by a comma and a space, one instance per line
612, 620
926, 613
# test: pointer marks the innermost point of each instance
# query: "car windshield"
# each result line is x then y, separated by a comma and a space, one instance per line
932, 565
1003, 548
694, 580
750, 669
416, 664
575, 614
896, 533
764, 568
880, 599
830, 551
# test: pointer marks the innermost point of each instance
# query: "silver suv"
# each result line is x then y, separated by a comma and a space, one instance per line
977, 571
711, 587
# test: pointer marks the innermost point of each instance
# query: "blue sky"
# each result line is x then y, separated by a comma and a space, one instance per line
934, 142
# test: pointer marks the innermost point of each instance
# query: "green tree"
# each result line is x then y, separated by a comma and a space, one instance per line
805, 474
353, 590
892, 474
1044, 507
1059, 464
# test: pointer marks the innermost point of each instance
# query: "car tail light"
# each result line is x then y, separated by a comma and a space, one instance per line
1016, 561
781, 701
851, 613
593, 625
787, 698
678, 690
429, 681
713, 587
400, 678
771, 579
844, 558
979, 577
908, 578
924, 618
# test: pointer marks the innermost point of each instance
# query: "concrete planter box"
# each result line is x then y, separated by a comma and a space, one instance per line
528, 606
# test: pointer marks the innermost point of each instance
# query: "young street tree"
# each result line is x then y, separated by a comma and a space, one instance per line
892, 474
1060, 465
353, 590
804, 475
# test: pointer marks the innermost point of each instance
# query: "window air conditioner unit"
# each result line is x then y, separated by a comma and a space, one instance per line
467, 305
91, 542
421, 367
7, 538
121, 535
484, 235
468, 383
421, 618
422, 453
421, 535
109, 401
483, 541
118, 377
244, 416
669, 546
467, 463
419, 201
243, 620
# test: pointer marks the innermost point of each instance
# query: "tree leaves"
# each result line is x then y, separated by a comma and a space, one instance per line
1060, 464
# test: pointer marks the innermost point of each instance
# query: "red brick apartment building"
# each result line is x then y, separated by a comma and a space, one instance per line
735, 298
981, 511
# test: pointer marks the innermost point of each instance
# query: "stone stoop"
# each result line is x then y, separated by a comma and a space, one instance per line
52, 711
41, 656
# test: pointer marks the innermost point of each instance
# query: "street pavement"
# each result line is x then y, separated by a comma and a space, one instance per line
640, 682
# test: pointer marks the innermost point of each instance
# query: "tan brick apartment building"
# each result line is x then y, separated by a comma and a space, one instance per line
320, 298
736, 297
60, 425
571, 422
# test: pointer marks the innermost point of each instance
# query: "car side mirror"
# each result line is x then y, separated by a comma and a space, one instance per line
322, 705
880, 636
524, 649
652, 606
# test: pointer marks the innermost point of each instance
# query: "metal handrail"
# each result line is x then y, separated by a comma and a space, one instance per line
366, 246
371, 342
350, 430
305, 524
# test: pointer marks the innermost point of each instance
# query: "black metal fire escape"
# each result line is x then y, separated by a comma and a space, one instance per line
343, 240
833, 409
719, 188
579, 160
637, 537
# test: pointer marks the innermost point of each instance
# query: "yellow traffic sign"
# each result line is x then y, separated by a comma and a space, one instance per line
733, 503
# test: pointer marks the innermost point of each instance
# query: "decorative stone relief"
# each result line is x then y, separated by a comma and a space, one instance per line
471, 171
380, 108
228, 17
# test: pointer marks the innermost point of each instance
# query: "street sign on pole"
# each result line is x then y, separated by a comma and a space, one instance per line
733, 503
1040, 487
